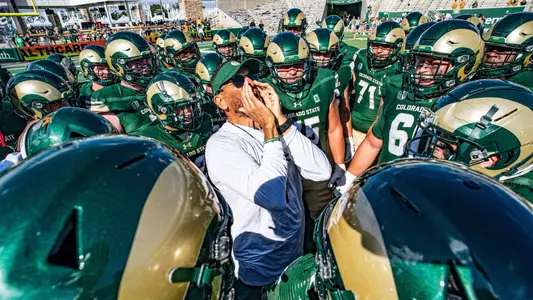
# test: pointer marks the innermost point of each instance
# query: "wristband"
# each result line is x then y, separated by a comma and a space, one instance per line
274, 139
285, 126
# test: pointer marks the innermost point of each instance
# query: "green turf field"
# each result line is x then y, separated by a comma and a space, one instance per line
205, 47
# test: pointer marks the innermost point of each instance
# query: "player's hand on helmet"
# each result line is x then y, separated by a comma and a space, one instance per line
342, 181
255, 109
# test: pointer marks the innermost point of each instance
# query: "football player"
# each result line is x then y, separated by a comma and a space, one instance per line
183, 124
400, 233
294, 20
447, 54
253, 44
336, 24
31, 95
380, 60
486, 125
182, 53
64, 124
411, 20
308, 95
325, 53
130, 58
225, 43
122, 214
94, 67
509, 49
205, 68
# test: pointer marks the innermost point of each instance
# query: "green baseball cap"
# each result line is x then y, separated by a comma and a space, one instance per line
229, 69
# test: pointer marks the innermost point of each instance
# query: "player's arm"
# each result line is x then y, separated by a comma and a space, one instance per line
365, 154
113, 119
335, 133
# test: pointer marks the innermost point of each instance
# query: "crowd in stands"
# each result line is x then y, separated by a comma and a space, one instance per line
45, 36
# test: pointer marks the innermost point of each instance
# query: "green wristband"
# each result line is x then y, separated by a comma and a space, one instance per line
274, 139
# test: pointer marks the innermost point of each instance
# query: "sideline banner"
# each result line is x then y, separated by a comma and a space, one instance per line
492, 15
9, 55
41, 52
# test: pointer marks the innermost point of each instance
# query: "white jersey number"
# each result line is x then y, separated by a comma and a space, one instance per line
311, 130
397, 137
371, 92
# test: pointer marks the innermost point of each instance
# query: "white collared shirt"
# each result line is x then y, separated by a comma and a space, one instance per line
262, 185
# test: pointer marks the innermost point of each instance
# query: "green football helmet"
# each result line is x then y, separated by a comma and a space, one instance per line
91, 57
446, 55
289, 49
242, 31
36, 93
253, 44
175, 100
225, 43
324, 41
388, 35
474, 20
206, 67
65, 61
119, 214
509, 46
335, 24
160, 47
294, 21
411, 20
130, 58
53, 67
484, 124
415, 34
417, 229
63, 125
182, 50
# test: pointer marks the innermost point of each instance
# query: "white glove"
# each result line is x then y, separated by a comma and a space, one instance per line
345, 183
338, 173
349, 148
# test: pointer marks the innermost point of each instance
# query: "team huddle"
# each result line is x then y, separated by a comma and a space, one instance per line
445, 91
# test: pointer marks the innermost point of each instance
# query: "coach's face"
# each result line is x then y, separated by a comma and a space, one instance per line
229, 98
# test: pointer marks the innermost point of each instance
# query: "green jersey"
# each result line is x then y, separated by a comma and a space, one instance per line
522, 185
349, 53
218, 117
310, 107
524, 78
11, 127
128, 104
190, 144
344, 77
365, 100
397, 118
85, 93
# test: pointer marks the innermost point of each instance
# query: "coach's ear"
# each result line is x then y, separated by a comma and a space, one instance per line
221, 103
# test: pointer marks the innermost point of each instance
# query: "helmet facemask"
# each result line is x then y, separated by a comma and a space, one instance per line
431, 75
138, 70
293, 84
433, 141
509, 60
226, 50
94, 75
182, 114
322, 61
383, 60
185, 58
